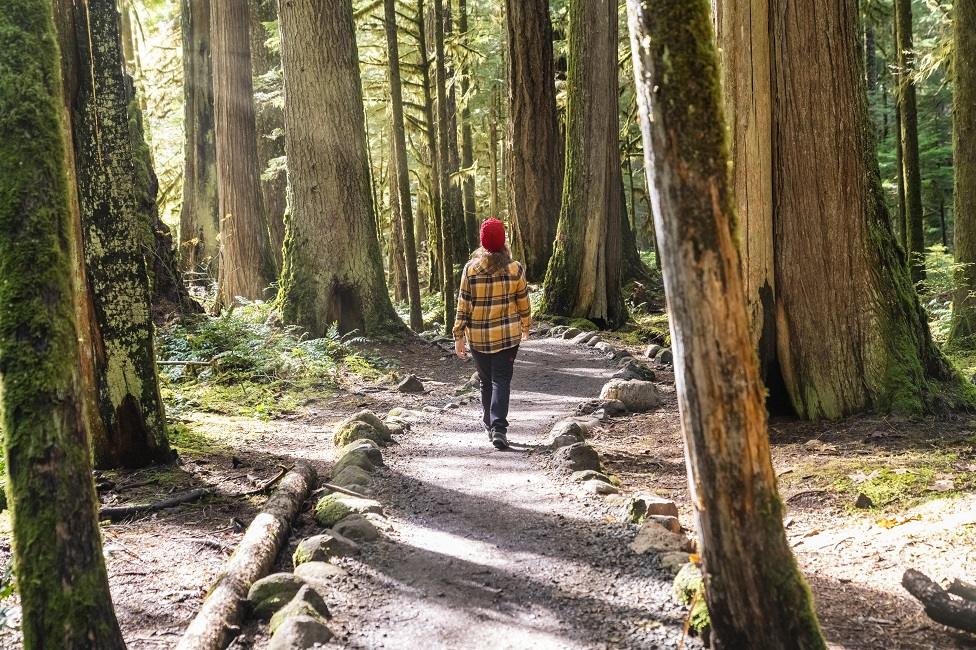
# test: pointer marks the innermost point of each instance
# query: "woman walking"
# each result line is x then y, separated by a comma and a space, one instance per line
493, 314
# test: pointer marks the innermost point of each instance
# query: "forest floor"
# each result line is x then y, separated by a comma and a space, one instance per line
493, 549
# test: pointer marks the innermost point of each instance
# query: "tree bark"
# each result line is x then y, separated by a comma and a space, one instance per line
402, 170
583, 277
116, 233
57, 550
537, 145
914, 216
467, 139
199, 225
333, 270
246, 262
448, 216
964, 166
720, 394
453, 169
424, 48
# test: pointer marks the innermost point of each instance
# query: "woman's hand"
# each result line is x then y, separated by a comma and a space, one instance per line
459, 348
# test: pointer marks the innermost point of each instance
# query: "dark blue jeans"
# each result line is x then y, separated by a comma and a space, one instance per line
495, 372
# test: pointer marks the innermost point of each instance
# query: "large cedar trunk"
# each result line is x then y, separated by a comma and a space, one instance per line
448, 215
333, 271
57, 550
964, 165
199, 225
756, 596
246, 262
583, 277
116, 235
536, 143
270, 122
911, 167
401, 172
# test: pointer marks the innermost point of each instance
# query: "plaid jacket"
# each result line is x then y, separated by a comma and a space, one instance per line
492, 309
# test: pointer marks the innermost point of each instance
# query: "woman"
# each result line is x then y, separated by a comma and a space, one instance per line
493, 313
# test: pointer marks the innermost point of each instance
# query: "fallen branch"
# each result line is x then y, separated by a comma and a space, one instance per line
264, 486
253, 559
962, 589
939, 605
336, 488
118, 513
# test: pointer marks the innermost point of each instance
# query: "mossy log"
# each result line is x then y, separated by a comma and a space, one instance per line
252, 560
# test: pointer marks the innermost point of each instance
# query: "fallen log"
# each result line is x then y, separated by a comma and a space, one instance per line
963, 589
220, 614
939, 605
118, 513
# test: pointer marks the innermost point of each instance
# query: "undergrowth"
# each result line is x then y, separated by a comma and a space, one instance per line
254, 365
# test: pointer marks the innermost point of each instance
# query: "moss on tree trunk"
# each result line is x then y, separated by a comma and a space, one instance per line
756, 596
911, 167
333, 271
57, 549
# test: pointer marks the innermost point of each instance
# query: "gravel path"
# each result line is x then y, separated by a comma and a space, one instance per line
493, 550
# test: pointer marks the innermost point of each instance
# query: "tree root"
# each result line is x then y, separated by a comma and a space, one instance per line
939, 604
118, 513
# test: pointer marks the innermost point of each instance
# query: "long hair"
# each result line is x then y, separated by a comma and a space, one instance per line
493, 262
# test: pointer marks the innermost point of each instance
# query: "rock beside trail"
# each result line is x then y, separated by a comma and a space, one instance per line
596, 486
299, 632
353, 430
319, 572
322, 548
673, 561
271, 593
307, 602
665, 521
557, 332
633, 369
641, 506
593, 342
637, 396
577, 457
410, 384
360, 454
652, 350
664, 356
653, 537
333, 508
590, 475
357, 528
583, 337
353, 478
610, 407
571, 333
565, 433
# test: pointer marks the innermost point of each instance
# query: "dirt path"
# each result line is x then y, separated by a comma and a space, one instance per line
488, 550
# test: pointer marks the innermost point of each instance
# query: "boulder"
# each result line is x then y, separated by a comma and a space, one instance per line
307, 602
270, 593
633, 369
557, 332
593, 342
673, 561
566, 432
664, 356
356, 528
665, 521
610, 407
300, 631
333, 508
583, 337
366, 448
604, 347
655, 538
637, 396
577, 457
596, 486
351, 477
570, 333
322, 548
590, 475
357, 430
372, 420
642, 506
410, 384
361, 459
319, 573
652, 350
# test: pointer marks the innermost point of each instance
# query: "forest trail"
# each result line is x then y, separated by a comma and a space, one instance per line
489, 550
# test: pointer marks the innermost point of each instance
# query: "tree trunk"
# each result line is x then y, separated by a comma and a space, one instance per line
583, 277
402, 171
493, 161
537, 145
909, 140
755, 593
444, 134
57, 550
199, 225
851, 334
397, 259
901, 218
964, 166
455, 196
632, 266
246, 261
270, 123
333, 271
435, 245
743, 31
467, 140
116, 235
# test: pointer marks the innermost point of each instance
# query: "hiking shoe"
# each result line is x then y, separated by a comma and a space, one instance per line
498, 439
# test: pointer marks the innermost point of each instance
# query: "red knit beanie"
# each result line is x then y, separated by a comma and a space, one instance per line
492, 235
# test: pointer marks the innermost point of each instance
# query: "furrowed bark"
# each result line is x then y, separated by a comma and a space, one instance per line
911, 167
448, 217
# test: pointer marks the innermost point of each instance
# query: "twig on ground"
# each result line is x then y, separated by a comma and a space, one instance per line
336, 488
117, 513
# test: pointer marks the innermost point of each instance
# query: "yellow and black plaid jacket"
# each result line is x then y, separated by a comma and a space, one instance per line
492, 308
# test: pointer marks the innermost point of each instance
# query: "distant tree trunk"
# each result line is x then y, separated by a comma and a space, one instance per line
743, 32
851, 333
397, 260
116, 230
333, 271
632, 266
467, 140
435, 245
744, 546
870, 59
402, 172
909, 140
270, 124
493, 162
246, 261
199, 225
453, 169
537, 145
444, 134
964, 166
57, 549
583, 278
901, 218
